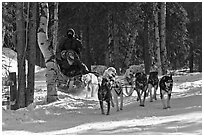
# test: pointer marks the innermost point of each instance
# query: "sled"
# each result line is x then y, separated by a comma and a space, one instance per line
65, 82
68, 84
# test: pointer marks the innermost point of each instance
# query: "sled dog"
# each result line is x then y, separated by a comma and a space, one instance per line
166, 85
153, 82
117, 91
141, 86
104, 91
90, 82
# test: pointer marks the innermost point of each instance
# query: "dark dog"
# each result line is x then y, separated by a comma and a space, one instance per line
166, 85
141, 86
104, 94
153, 82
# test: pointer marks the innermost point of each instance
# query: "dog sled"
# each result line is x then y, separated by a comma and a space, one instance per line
69, 76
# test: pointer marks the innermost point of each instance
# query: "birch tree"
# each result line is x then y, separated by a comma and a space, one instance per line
55, 26
48, 53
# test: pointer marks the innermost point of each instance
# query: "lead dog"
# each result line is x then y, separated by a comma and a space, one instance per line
153, 82
105, 87
166, 85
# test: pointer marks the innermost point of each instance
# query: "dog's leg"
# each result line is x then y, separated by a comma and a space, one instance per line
155, 92
87, 91
117, 104
121, 101
95, 89
101, 105
112, 103
162, 92
92, 90
141, 92
138, 95
150, 91
108, 107
115, 98
144, 96
168, 101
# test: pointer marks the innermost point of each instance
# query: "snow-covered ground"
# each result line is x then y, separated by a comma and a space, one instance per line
77, 115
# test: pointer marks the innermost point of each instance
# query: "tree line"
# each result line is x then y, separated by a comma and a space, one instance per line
159, 35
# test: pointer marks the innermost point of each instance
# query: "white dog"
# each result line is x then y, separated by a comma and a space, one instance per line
90, 82
110, 73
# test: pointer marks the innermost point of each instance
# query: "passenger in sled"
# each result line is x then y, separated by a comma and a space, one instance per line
68, 56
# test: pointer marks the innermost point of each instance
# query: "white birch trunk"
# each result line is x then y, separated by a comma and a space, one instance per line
55, 31
48, 53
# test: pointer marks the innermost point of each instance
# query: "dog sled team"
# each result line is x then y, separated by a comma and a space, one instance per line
109, 86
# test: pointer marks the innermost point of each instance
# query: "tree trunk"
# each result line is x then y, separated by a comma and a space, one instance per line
158, 58
191, 58
88, 53
109, 56
13, 91
31, 54
146, 47
200, 61
55, 27
116, 48
115, 34
163, 38
132, 40
48, 53
88, 49
20, 28
3, 34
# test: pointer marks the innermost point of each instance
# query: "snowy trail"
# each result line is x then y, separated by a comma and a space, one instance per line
75, 115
